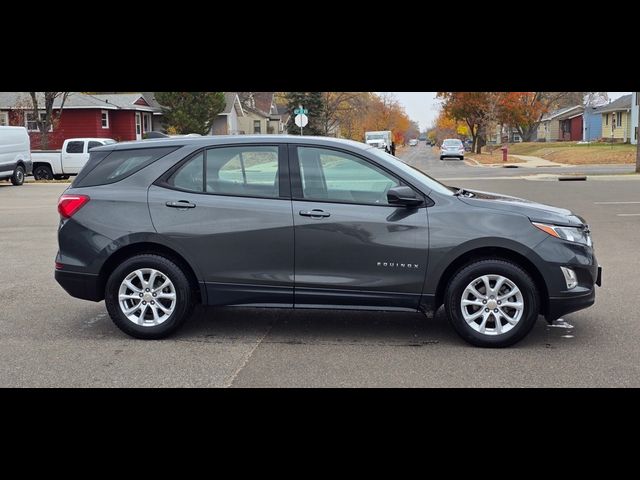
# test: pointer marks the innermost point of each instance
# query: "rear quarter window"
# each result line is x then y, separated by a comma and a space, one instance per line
110, 167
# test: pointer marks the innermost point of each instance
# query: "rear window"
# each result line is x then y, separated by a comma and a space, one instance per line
110, 167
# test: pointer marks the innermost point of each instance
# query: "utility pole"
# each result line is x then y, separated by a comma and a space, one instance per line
637, 107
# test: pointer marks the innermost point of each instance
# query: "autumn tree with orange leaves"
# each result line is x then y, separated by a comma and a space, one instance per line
375, 112
470, 108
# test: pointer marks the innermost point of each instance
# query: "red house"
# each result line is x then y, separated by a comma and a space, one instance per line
121, 116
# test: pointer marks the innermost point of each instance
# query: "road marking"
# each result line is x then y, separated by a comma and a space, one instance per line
614, 203
628, 214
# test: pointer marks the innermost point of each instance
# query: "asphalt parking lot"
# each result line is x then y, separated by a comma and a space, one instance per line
48, 339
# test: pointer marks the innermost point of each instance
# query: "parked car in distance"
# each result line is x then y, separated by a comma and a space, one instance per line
60, 164
452, 147
413, 142
156, 226
467, 145
15, 154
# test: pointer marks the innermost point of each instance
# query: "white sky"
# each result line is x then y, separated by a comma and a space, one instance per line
423, 106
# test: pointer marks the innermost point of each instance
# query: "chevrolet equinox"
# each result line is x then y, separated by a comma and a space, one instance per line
155, 226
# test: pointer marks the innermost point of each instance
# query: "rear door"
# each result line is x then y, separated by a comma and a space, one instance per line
74, 156
352, 249
228, 209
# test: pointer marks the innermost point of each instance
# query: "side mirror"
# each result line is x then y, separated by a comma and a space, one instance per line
404, 196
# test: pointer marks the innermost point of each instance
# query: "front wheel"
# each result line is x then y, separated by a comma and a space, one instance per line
148, 296
18, 176
492, 303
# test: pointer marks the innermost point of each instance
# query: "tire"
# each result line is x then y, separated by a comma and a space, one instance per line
43, 172
149, 330
494, 336
441, 157
18, 176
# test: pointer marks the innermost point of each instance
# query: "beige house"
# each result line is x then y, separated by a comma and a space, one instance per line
227, 122
258, 122
616, 120
260, 114
561, 125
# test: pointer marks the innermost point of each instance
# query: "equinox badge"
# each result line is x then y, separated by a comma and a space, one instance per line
397, 265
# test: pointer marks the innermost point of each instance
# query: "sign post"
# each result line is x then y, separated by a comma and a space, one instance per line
301, 118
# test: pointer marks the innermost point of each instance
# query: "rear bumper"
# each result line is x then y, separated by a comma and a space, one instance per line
80, 285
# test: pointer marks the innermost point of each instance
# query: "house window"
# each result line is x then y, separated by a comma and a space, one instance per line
256, 126
4, 119
635, 134
30, 121
606, 119
619, 119
105, 119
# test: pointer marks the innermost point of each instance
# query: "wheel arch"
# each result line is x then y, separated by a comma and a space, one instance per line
502, 253
153, 248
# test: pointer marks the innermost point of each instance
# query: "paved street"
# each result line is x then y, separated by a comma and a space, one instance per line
427, 159
50, 339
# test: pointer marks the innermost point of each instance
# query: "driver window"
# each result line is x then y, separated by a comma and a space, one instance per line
331, 175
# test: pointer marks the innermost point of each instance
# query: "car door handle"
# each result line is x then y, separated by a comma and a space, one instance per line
181, 204
315, 213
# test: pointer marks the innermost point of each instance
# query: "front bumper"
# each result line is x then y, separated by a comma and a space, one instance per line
86, 286
582, 298
452, 153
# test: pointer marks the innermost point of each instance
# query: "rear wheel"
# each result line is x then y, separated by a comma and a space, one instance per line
43, 172
148, 296
492, 303
18, 175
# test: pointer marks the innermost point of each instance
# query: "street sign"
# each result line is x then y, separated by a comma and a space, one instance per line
301, 120
301, 111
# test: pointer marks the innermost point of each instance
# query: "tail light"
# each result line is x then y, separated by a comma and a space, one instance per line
68, 205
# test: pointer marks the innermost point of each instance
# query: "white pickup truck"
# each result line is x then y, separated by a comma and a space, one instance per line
60, 164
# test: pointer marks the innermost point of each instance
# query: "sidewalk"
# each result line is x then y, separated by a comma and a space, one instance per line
526, 161
532, 162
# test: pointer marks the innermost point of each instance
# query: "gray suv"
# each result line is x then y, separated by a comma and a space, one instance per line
155, 226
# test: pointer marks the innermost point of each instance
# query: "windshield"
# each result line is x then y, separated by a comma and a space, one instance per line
375, 136
431, 182
451, 143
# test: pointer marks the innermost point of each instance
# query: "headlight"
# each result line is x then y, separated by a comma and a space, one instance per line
572, 234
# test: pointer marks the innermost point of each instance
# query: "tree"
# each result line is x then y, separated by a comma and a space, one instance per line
314, 103
470, 107
596, 99
49, 120
336, 105
191, 112
523, 110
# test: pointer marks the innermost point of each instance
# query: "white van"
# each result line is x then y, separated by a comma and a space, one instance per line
15, 154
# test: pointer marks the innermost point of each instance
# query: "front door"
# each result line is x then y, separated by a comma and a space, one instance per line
228, 211
138, 126
146, 123
353, 249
